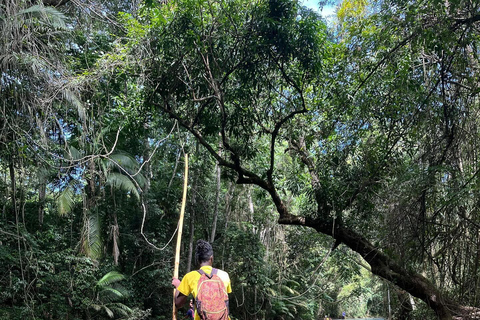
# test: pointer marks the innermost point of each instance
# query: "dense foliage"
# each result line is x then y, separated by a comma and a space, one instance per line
332, 163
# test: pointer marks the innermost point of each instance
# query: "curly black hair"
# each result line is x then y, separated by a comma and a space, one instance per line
203, 251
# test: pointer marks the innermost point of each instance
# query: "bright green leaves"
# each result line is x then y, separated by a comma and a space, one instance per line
145, 21
352, 9
236, 68
111, 295
135, 30
122, 172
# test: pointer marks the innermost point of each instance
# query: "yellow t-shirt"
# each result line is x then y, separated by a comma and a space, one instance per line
189, 283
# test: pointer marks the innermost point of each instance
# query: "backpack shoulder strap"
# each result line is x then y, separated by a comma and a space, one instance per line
214, 271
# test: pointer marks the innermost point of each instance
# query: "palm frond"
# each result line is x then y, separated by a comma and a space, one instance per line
54, 17
110, 294
121, 309
65, 201
25, 61
120, 181
286, 288
140, 178
271, 291
109, 278
124, 160
108, 311
7, 59
71, 97
95, 242
300, 303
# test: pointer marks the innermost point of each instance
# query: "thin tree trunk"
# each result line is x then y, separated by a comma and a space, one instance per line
405, 304
16, 215
174, 169
91, 181
147, 167
217, 201
42, 190
228, 199
191, 239
4, 209
115, 232
21, 193
14, 188
192, 224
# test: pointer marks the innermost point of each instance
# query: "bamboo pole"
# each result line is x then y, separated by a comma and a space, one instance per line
179, 233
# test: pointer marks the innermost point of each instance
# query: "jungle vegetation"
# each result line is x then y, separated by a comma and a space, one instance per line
333, 161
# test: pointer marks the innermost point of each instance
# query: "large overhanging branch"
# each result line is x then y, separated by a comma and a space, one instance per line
381, 265
244, 176
275, 133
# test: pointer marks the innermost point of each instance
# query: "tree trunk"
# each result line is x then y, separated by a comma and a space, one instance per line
147, 167
17, 222
42, 190
115, 232
217, 201
192, 225
406, 306
14, 188
381, 265
190, 241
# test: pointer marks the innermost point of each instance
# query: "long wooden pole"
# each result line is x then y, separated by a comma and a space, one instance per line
179, 233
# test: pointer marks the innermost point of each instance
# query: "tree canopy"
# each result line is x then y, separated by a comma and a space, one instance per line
333, 163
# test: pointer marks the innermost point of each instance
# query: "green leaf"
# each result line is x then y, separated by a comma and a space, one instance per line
65, 201
109, 278
121, 181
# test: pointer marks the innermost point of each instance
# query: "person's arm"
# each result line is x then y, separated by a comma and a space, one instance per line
180, 298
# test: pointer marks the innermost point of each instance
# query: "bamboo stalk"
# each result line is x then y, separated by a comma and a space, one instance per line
179, 233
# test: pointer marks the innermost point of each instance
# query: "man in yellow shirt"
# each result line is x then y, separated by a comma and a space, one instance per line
188, 285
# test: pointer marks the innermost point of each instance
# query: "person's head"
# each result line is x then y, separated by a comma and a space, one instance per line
203, 252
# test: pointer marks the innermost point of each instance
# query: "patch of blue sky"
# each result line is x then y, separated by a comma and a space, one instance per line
327, 11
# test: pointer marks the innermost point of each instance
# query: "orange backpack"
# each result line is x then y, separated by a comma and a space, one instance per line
212, 298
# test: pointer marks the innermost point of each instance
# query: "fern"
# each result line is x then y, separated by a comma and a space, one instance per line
123, 309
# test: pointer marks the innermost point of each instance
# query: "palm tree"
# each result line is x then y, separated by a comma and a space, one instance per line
32, 84
109, 294
120, 172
